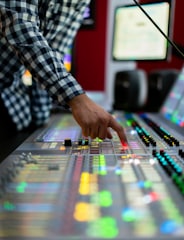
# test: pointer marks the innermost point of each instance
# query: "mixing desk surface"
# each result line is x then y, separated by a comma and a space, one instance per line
58, 185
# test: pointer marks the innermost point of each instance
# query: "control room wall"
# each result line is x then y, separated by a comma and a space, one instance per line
90, 47
90, 51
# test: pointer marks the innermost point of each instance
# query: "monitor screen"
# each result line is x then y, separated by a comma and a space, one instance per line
89, 16
173, 106
136, 38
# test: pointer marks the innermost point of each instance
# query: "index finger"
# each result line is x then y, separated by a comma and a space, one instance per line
119, 129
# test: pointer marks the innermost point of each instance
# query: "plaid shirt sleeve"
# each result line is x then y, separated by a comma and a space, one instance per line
40, 41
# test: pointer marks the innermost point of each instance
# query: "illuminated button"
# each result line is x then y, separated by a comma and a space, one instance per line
105, 199
104, 227
169, 227
118, 170
141, 184
8, 206
124, 145
21, 187
154, 196
62, 148
85, 212
83, 142
144, 184
129, 215
178, 180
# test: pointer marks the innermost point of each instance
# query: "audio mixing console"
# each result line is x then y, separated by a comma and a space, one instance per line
58, 185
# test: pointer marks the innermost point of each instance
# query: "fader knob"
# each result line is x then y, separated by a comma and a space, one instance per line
67, 142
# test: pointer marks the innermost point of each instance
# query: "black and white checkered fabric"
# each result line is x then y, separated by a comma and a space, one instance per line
34, 35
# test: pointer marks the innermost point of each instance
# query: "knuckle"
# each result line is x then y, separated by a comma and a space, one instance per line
103, 121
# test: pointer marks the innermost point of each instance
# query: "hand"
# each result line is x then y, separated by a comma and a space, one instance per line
94, 120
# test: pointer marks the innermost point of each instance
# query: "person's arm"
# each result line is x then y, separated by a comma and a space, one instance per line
20, 27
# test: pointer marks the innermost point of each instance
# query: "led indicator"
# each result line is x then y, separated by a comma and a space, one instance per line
124, 145
129, 215
103, 199
62, 148
148, 184
8, 206
168, 227
21, 187
129, 123
85, 212
154, 196
103, 228
102, 170
118, 171
84, 187
98, 140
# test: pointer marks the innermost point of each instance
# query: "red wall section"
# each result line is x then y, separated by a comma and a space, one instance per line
90, 51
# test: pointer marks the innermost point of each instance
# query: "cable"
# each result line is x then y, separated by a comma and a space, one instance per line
168, 39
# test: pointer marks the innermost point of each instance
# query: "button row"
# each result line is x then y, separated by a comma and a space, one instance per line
163, 134
172, 168
81, 142
146, 138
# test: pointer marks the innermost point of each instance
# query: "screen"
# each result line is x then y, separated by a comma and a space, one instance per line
173, 107
89, 16
136, 38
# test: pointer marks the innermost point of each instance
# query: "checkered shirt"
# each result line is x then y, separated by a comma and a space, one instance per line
34, 35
